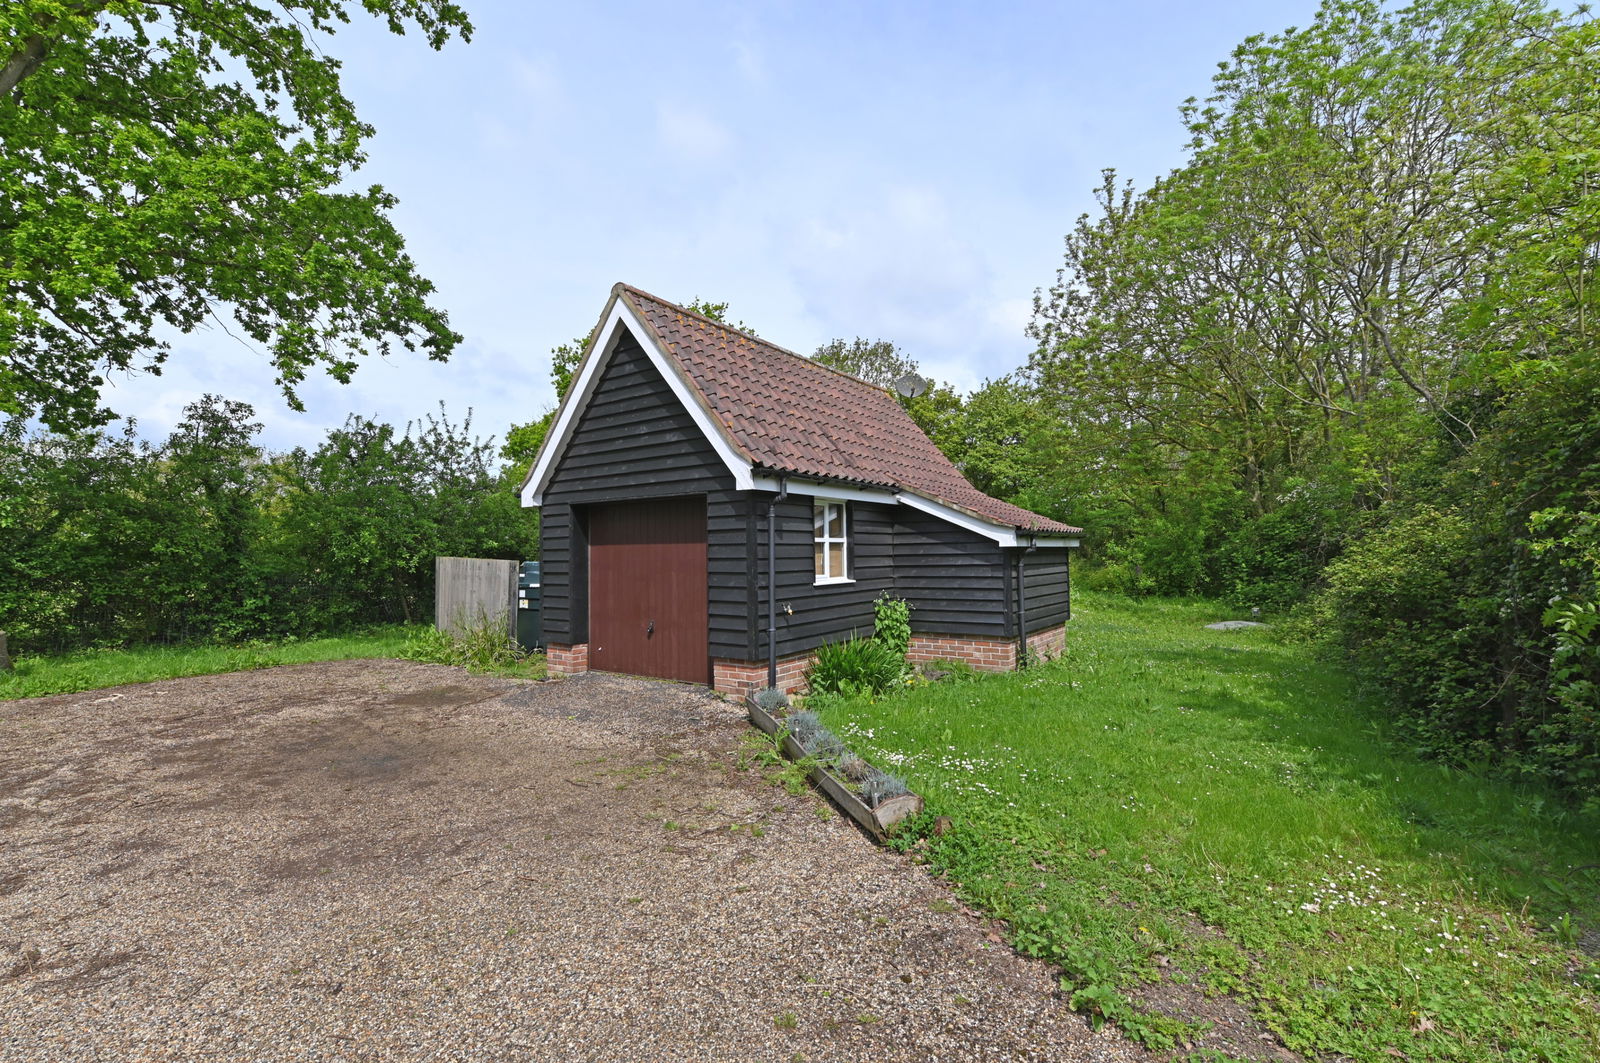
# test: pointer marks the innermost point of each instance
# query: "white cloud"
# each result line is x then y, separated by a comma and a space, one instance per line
691, 134
747, 59
538, 81
897, 267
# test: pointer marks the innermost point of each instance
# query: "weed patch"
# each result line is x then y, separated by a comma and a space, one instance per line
482, 647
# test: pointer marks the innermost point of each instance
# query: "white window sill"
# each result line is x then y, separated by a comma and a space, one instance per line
831, 580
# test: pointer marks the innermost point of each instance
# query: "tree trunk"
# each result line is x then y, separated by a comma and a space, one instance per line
34, 50
22, 64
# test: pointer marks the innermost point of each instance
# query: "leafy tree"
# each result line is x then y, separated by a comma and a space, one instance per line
213, 458
1001, 439
369, 510
877, 362
76, 552
522, 445
1281, 307
211, 471
169, 161
716, 312
564, 361
1515, 659
1351, 340
937, 412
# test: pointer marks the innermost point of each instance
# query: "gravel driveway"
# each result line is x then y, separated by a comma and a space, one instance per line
387, 860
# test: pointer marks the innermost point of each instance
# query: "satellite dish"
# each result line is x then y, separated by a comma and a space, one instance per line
911, 385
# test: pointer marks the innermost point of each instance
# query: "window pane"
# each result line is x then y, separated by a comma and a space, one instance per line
836, 559
836, 522
820, 559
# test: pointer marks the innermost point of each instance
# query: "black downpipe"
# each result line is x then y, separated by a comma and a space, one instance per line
772, 581
1022, 603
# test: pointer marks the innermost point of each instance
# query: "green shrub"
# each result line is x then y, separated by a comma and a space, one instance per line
1412, 606
1273, 560
855, 666
1108, 577
1119, 570
891, 624
946, 670
1173, 558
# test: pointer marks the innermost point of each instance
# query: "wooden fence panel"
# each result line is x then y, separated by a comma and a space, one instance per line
468, 590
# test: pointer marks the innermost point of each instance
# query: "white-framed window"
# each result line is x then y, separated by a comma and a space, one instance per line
828, 537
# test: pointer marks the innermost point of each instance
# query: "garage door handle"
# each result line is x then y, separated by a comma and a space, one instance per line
651, 630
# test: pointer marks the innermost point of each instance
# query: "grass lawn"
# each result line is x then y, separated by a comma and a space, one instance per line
1167, 803
92, 669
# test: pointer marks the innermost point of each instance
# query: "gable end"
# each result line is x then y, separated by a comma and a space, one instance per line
619, 325
633, 440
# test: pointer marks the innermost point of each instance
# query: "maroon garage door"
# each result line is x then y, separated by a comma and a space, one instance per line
647, 589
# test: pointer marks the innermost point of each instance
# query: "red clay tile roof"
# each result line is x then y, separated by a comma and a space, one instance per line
789, 414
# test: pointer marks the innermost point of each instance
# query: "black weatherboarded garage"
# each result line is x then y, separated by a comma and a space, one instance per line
685, 446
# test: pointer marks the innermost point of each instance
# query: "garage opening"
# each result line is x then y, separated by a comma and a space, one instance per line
647, 589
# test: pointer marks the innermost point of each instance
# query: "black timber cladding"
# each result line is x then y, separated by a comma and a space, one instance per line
564, 573
808, 614
956, 580
635, 441
1049, 600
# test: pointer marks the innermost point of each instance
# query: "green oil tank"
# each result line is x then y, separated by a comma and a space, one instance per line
529, 635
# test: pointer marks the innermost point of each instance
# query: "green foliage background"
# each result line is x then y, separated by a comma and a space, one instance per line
1342, 362
106, 540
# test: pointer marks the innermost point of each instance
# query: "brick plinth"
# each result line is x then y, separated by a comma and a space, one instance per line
743, 678
564, 659
1048, 644
986, 655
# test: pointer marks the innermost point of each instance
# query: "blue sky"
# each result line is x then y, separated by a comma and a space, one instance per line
904, 171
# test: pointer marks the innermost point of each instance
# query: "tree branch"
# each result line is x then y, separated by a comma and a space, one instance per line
22, 64
36, 47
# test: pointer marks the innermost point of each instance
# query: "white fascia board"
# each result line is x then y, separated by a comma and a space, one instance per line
1005, 535
1002, 534
827, 492
622, 317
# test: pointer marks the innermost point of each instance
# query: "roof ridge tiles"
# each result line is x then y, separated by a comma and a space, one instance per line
640, 292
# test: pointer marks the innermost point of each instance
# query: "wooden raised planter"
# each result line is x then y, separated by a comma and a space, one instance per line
877, 821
